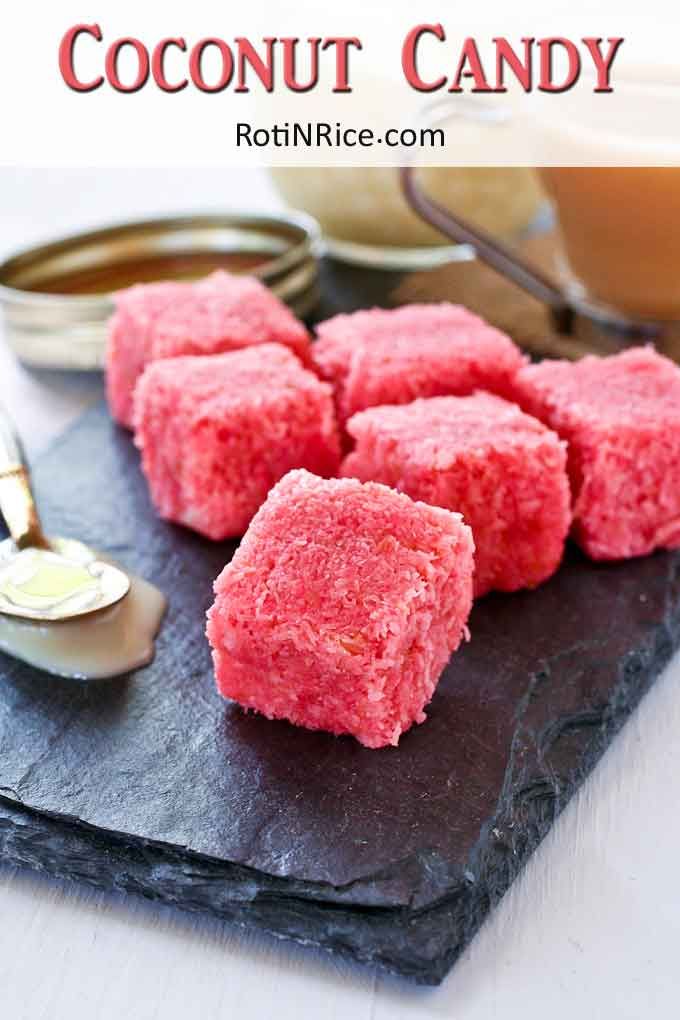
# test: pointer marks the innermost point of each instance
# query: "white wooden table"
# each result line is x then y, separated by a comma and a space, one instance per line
591, 929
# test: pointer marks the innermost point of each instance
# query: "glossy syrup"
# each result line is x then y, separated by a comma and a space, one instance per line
104, 644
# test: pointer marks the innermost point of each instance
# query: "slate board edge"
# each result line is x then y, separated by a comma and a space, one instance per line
420, 945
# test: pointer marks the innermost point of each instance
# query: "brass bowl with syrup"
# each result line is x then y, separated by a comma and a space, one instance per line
56, 298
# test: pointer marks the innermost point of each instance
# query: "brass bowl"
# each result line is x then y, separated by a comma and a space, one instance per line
56, 298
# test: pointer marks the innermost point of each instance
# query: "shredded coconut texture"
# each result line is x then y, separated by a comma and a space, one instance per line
502, 470
620, 416
217, 433
394, 356
341, 607
222, 312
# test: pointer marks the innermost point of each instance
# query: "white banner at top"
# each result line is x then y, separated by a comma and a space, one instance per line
369, 84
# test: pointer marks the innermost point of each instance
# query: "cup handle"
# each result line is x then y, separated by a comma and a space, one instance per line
488, 248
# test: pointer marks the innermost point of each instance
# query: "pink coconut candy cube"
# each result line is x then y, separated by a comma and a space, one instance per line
222, 312
481, 456
392, 356
620, 416
341, 607
217, 433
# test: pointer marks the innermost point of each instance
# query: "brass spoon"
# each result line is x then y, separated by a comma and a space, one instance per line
45, 579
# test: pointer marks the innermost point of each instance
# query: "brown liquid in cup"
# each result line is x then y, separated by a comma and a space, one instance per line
621, 232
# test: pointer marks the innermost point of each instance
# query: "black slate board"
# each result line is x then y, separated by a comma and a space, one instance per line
155, 785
